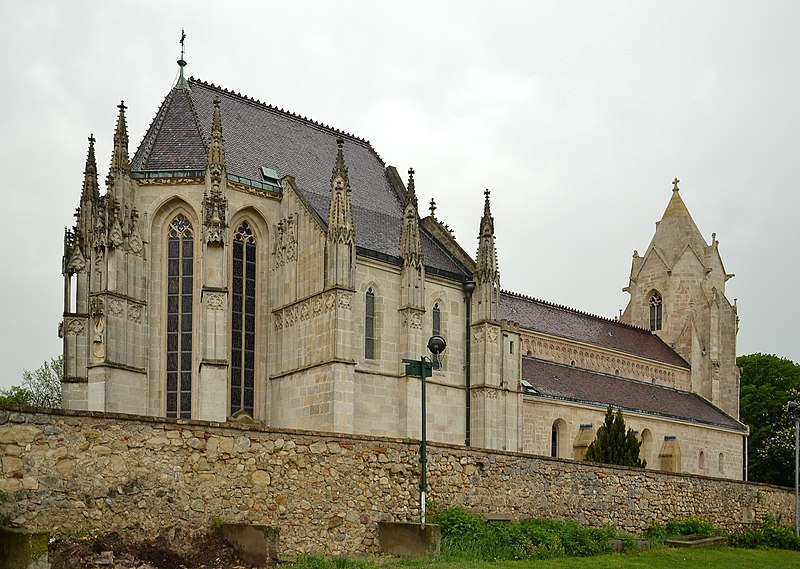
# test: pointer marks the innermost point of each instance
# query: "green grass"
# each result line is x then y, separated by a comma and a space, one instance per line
701, 558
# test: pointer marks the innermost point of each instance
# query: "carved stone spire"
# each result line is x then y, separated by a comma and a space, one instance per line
340, 247
486, 269
413, 273
89, 196
91, 189
410, 244
487, 275
120, 163
340, 216
215, 204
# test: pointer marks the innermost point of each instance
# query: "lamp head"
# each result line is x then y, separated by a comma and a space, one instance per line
436, 345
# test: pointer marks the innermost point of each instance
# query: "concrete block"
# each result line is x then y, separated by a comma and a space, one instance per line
409, 539
254, 543
23, 549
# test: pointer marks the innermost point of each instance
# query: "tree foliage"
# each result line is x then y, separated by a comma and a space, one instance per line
614, 444
768, 382
40, 388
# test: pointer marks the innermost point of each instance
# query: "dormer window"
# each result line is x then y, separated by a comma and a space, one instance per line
656, 311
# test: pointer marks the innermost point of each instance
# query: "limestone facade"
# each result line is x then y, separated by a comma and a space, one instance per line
205, 284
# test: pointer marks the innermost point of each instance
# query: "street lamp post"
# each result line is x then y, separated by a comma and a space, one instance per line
793, 407
424, 368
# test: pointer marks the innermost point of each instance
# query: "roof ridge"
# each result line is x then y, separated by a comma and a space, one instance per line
155, 127
287, 113
573, 310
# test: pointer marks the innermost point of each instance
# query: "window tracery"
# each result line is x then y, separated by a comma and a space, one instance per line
656, 311
180, 287
243, 316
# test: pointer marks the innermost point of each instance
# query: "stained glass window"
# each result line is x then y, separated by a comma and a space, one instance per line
369, 325
180, 276
243, 341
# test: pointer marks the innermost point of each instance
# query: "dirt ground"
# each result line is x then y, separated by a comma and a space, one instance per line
170, 549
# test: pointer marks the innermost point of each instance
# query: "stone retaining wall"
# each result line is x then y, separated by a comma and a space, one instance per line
71, 471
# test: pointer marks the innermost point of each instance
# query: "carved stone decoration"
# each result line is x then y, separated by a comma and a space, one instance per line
115, 235
189, 181
215, 301
412, 319
215, 208
286, 240
75, 327
135, 312
135, 244
77, 262
492, 335
99, 328
115, 308
312, 307
344, 299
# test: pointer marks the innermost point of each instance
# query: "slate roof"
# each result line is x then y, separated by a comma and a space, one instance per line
257, 134
569, 383
572, 324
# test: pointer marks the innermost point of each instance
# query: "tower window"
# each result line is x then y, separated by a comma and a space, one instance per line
180, 284
369, 325
656, 311
243, 314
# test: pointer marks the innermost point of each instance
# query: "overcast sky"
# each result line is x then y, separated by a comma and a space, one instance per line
576, 115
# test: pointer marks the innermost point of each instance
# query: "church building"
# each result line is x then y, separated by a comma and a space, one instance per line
250, 264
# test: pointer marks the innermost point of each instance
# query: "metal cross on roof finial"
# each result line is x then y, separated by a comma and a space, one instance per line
433, 208
675, 184
486, 193
92, 139
411, 172
183, 39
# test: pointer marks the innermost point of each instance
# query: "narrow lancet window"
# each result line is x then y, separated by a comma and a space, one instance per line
437, 331
243, 314
369, 325
180, 285
656, 311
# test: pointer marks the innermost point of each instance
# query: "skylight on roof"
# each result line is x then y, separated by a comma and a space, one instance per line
270, 176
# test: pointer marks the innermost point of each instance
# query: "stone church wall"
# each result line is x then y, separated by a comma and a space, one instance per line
66, 471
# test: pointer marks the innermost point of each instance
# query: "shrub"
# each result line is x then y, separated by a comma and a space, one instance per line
690, 525
467, 536
771, 533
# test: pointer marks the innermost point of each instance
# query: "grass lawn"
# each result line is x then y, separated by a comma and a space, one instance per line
666, 558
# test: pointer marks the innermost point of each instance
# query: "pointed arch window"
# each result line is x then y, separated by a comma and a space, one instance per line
180, 286
243, 315
369, 325
436, 313
656, 311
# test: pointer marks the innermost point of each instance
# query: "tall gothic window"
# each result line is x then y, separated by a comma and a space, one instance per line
180, 281
656, 311
369, 325
437, 330
243, 342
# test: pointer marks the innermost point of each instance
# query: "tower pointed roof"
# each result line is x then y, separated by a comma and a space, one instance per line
677, 230
410, 243
486, 269
120, 163
340, 216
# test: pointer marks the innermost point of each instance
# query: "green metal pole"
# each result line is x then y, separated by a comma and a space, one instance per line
423, 484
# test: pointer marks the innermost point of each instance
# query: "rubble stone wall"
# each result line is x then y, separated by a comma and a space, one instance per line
72, 471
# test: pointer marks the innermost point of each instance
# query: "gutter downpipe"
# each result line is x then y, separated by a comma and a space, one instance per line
469, 287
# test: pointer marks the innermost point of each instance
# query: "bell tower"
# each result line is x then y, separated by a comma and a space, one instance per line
677, 291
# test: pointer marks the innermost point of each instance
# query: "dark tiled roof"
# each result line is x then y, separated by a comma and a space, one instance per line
257, 134
568, 323
574, 384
